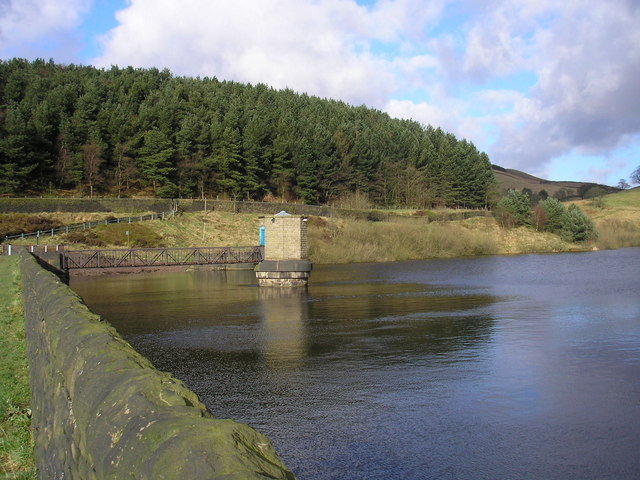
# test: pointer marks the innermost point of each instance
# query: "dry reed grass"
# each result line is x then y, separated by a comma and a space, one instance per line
617, 233
341, 241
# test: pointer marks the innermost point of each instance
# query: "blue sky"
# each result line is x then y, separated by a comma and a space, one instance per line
547, 87
99, 19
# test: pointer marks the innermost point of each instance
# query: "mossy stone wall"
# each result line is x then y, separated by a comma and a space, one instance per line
102, 411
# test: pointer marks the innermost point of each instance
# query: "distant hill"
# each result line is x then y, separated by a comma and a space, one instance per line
515, 179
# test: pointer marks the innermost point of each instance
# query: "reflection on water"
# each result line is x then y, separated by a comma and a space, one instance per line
496, 367
284, 313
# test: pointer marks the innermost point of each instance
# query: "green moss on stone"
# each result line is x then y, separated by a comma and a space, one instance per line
102, 411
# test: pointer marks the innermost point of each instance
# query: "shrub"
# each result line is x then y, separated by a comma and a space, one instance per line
514, 210
554, 213
577, 227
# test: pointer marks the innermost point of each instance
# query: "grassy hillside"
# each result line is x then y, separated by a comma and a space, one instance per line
616, 217
514, 179
626, 200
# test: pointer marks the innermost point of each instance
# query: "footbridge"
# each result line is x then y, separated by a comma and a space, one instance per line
159, 257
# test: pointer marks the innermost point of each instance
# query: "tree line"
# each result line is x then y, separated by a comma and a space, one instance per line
122, 131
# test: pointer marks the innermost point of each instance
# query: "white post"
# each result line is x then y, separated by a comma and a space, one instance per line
9, 249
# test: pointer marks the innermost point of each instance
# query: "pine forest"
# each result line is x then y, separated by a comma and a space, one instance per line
128, 131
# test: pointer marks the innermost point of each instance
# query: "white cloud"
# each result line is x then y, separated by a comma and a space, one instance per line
498, 99
449, 115
587, 61
492, 52
425, 113
392, 20
317, 47
31, 27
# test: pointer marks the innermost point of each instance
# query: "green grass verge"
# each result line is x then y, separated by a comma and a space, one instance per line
16, 444
627, 198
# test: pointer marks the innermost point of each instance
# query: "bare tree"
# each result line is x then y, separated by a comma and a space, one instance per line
125, 169
92, 153
623, 184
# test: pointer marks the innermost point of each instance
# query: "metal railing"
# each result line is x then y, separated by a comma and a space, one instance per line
150, 257
88, 225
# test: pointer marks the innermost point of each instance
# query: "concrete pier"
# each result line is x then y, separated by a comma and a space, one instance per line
286, 252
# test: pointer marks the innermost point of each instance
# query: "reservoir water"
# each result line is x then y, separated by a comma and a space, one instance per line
524, 367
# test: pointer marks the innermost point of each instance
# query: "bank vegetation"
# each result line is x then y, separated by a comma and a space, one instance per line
407, 235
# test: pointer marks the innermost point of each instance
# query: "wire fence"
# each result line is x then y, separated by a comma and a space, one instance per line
89, 225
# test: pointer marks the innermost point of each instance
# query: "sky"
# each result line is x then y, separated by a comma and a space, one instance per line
545, 86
